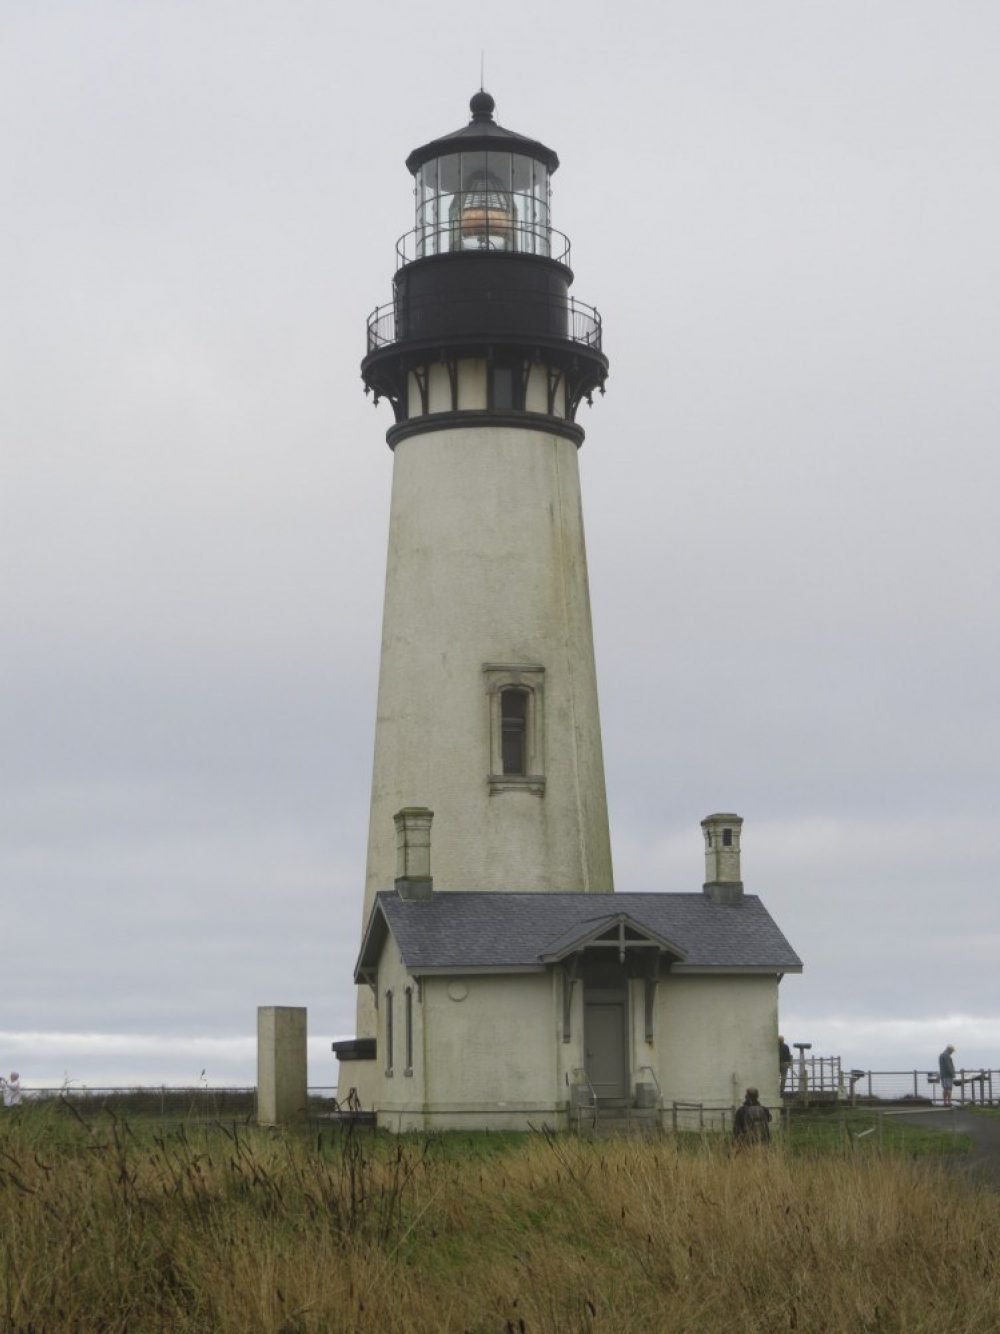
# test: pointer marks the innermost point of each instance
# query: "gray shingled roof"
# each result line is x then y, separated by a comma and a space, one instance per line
460, 929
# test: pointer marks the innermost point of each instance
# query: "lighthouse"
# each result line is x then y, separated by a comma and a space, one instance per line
487, 699
501, 982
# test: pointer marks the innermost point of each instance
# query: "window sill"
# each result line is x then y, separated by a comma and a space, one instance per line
534, 783
408, 1074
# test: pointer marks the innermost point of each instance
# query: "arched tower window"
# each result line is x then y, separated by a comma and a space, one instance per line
514, 730
515, 697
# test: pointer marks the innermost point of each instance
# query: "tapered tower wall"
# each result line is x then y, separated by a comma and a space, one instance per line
487, 570
487, 703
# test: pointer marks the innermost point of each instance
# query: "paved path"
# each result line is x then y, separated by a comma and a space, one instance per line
983, 1162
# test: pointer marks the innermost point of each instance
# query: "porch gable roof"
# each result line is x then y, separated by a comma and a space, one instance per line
589, 932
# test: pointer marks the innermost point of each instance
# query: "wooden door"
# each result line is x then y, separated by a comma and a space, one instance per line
605, 1043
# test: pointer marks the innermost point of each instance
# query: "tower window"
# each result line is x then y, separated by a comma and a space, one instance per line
514, 730
515, 698
727, 838
505, 387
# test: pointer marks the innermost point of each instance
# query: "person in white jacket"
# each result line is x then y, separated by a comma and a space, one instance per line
12, 1090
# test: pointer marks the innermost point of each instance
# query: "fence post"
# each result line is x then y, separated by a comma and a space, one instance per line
673, 1117
869, 1083
915, 1084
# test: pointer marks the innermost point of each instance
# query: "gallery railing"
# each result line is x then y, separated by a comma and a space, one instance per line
482, 229
562, 317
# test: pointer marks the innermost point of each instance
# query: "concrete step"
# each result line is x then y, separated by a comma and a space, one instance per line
607, 1120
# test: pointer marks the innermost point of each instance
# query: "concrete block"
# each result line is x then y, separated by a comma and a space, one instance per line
281, 1064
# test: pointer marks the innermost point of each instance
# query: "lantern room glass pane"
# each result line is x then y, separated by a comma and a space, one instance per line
427, 214
498, 167
522, 201
521, 183
448, 181
448, 173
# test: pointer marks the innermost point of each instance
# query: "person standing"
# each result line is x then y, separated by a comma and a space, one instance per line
784, 1061
752, 1122
12, 1090
946, 1069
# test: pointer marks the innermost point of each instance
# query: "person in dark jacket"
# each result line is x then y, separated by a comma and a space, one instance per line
946, 1069
752, 1123
784, 1061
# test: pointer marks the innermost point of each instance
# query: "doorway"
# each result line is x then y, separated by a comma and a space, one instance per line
605, 1029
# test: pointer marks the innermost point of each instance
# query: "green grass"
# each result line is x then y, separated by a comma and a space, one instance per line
191, 1227
857, 1130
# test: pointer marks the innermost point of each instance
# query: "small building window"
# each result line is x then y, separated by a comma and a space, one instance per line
388, 1032
514, 731
727, 838
408, 1032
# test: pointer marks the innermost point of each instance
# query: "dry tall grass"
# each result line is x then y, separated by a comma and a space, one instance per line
246, 1231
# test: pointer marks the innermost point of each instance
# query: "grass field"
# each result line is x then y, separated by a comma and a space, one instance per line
117, 1225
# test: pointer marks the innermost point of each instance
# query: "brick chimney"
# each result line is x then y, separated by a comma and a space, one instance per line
413, 852
722, 858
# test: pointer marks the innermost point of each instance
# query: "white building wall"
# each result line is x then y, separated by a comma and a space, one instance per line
488, 1051
398, 1093
713, 1037
488, 1057
492, 1060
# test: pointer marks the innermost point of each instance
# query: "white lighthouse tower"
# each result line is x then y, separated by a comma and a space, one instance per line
487, 700
502, 983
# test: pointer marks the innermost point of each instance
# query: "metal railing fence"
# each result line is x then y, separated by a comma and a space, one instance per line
823, 1079
714, 1117
972, 1087
196, 1101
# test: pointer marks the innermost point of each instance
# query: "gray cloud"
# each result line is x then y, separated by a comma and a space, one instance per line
787, 217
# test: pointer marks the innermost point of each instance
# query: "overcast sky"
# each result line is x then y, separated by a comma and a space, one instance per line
787, 214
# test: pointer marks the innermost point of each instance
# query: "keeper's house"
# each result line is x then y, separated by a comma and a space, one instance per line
503, 1010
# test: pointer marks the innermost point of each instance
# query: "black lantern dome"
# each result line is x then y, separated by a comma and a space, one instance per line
483, 274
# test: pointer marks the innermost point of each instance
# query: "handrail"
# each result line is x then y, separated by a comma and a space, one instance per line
495, 233
583, 322
580, 1070
659, 1091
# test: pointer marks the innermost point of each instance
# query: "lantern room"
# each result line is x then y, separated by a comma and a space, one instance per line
482, 188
